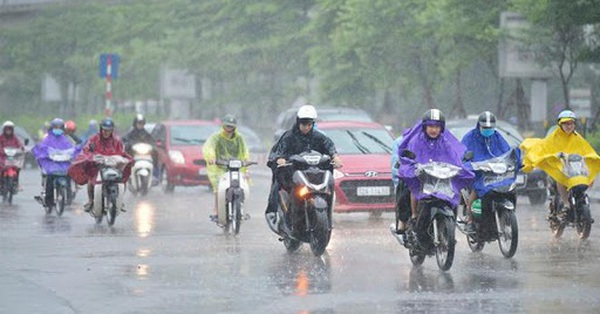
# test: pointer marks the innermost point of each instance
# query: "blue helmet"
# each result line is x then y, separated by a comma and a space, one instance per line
107, 124
57, 123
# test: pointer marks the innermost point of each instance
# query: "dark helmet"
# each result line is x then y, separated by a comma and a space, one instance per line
487, 120
434, 117
139, 118
107, 124
229, 120
57, 123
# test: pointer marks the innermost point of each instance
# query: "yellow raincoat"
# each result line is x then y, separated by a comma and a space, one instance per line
219, 147
543, 154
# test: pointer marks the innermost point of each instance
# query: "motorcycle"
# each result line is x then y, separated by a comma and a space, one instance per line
231, 193
140, 180
61, 181
433, 233
495, 219
578, 213
15, 158
109, 189
304, 213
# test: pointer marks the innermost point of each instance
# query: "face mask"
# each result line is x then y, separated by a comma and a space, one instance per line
57, 132
486, 132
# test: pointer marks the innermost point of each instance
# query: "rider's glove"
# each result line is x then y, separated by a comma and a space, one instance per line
337, 162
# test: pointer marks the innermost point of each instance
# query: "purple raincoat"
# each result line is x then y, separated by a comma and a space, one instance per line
445, 148
49, 145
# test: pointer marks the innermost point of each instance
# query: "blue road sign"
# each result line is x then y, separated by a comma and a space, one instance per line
115, 60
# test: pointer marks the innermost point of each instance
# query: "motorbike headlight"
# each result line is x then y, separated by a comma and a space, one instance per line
176, 156
142, 148
338, 174
302, 192
541, 184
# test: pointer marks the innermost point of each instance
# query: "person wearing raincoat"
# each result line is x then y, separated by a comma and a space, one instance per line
84, 170
428, 141
8, 138
55, 140
225, 144
485, 143
545, 154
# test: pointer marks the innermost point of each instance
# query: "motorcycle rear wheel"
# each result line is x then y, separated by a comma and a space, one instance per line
291, 245
584, 225
444, 251
416, 259
474, 245
320, 234
508, 240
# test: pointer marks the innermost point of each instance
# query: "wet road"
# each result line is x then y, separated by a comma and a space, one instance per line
163, 255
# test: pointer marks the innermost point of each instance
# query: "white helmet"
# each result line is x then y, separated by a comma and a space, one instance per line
8, 124
307, 112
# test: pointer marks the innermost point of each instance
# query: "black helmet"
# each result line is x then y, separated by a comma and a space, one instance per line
434, 116
229, 120
107, 124
487, 120
139, 118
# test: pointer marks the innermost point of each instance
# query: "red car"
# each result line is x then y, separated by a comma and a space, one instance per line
364, 183
179, 144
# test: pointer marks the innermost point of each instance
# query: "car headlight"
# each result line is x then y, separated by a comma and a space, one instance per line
176, 156
338, 174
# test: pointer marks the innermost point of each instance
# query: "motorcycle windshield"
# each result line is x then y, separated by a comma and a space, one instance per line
436, 178
574, 166
10, 151
60, 155
497, 170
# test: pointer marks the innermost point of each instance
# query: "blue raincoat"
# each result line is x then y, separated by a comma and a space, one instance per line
486, 148
43, 149
445, 148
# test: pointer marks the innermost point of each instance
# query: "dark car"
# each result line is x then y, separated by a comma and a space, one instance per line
532, 184
286, 119
179, 145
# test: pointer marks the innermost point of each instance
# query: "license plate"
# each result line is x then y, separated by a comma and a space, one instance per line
202, 172
373, 191
520, 179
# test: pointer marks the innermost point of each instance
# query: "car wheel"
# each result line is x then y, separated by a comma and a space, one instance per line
537, 197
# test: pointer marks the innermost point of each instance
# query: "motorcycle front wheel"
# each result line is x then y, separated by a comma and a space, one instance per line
7, 195
508, 239
61, 199
111, 212
320, 234
444, 251
236, 215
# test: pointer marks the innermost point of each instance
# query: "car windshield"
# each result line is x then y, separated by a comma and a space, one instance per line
344, 116
361, 141
191, 134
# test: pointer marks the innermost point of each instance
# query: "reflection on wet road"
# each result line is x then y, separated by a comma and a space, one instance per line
163, 255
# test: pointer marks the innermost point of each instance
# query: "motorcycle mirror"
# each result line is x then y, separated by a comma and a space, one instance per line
408, 154
468, 156
26, 142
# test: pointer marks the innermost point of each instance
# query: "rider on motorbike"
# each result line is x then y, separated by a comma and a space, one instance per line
302, 137
428, 141
56, 139
485, 143
225, 144
83, 169
9, 139
138, 134
70, 129
564, 139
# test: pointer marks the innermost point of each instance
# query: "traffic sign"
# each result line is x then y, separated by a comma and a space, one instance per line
109, 58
